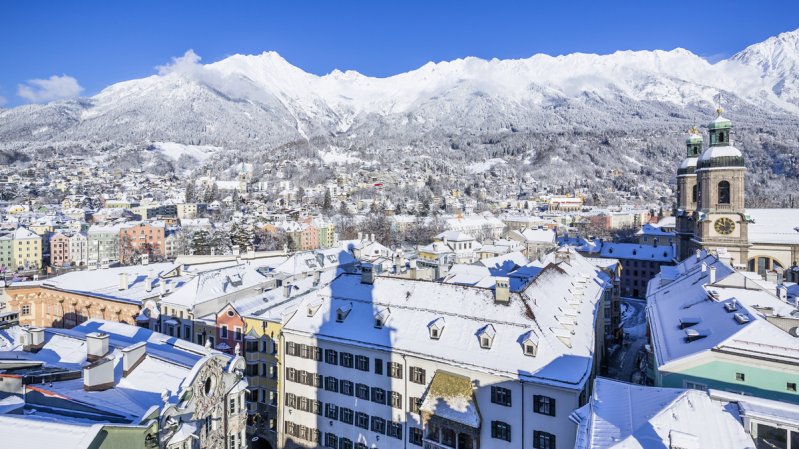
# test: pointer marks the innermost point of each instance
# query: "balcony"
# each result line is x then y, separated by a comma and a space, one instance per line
430, 444
724, 206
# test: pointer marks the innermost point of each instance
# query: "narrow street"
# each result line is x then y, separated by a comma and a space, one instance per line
623, 361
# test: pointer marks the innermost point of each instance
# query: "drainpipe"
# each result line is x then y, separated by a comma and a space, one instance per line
407, 396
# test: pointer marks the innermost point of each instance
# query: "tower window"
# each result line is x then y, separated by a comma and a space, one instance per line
695, 192
724, 192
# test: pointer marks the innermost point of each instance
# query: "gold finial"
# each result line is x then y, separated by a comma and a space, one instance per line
693, 130
719, 110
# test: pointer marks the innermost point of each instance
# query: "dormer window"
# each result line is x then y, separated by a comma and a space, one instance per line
436, 328
342, 312
313, 307
530, 344
381, 317
486, 336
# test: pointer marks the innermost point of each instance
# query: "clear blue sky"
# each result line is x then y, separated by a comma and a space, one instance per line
100, 43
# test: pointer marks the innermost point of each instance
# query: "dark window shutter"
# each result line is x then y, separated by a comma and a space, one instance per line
552, 406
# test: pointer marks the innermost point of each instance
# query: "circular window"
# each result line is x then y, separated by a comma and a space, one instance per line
229, 313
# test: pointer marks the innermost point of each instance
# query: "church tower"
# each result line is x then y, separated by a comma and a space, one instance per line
720, 217
687, 193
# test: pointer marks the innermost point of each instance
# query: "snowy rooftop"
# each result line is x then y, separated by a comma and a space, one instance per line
778, 226
41, 432
167, 363
557, 310
660, 253
689, 316
628, 416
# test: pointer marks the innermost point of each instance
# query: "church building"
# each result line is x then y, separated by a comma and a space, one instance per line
711, 210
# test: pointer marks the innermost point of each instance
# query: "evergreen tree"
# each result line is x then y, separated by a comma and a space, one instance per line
189, 192
327, 202
201, 243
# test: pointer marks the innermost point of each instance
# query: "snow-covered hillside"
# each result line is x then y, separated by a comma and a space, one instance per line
582, 114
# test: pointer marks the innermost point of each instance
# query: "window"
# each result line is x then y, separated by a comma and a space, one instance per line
223, 332
291, 400
331, 440
395, 370
331, 411
724, 192
331, 384
362, 391
695, 386
544, 405
291, 348
237, 333
394, 429
346, 387
417, 375
413, 405
345, 359
378, 366
26, 309
740, 377
233, 444
232, 406
345, 443
500, 430
415, 436
362, 420
378, 424
378, 395
362, 362
346, 415
501, 396
543, 440
331, 356
396, 400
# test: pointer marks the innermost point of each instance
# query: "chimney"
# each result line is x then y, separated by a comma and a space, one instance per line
360, 236
368, 273
123, 281
413, 273
398, 263
502, 290
148, 281
698, 255
99, 375
317, 276
162, 287
32, 338
655, 242
236, 250
251, 253
96, 346
704, 267
782, 293
287, 289
132, 356
145, 259
713, 275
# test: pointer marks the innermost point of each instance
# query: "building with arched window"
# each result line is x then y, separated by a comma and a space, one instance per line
711, 209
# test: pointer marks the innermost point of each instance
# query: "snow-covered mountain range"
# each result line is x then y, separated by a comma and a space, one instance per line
262, 102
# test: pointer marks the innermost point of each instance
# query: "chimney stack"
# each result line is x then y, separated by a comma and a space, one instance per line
96, 346
99, 375
32, 338
502, 290
713, 275
704, 267
782, 293
287, 289
368, 273
317, 276
698, 255
145, 259
148, 282
132, 356
413, 273
123, 281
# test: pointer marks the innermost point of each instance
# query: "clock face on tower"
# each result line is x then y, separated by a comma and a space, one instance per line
724, 226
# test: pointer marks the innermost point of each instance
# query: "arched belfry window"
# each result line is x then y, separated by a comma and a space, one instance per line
724, 192
695, 193
721, 137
